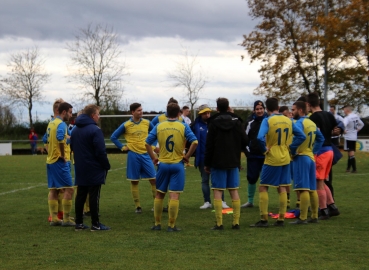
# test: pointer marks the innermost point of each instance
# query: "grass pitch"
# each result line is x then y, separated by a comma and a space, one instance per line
28, 242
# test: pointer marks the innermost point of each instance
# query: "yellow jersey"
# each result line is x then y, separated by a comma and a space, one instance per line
171, 136
56, 134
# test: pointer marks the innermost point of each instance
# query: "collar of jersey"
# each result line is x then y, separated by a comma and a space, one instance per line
134, 121
59, 117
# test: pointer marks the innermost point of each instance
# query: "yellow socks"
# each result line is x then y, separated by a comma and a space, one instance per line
218, 211
67, 207
236, 205
173, 212
153, 190
87, 204
158, 210
282, 205
135, 195
304, 204
60, 203
314, 203
263, 205
53, 209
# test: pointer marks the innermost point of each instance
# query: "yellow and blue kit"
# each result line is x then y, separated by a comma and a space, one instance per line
171, 135
139, 164
274, 135
58, 171
163, 117
304, 170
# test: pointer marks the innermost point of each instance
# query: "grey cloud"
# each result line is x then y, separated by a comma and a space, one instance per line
191, 19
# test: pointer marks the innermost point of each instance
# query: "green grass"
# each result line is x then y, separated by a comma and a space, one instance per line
28, 242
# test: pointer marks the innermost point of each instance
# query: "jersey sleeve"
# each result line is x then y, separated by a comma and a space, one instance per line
360, 125
44, 138
152, 137
298, 139
114, 137
264, 128
155, 121
190, 137
151, 126
61, 130
319, 140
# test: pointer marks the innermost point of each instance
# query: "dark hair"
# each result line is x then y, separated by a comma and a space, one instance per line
134, 106
185, 108
272, 104
313, 100
91, 109
222, 104
283, 108
302, 98
172, 110
332, 106
300, 105
64, 106
172, 100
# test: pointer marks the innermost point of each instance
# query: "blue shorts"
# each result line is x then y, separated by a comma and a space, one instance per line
275, 176
139, 166
59, 175
170, 176
225, 179
304, 173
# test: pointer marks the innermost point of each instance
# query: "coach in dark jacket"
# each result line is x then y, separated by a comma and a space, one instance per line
91, 165
225, 141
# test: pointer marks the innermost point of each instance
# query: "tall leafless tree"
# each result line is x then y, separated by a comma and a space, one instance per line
190, 77
96, 64
24, 83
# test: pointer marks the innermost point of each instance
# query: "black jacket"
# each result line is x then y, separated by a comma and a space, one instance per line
225, 140
252, 129
88, 146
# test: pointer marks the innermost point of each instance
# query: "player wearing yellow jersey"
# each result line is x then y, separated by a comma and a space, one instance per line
139, 165
170, 176
58, 166
164, 117
274, 135
304, 164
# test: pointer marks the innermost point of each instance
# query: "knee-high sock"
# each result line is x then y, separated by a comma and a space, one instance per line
60, 202
263, 205
304, 204
236, 205
168, 201
314, 202
173, 212
322, 198
282, 205
153, 190
218, 211
53, 209
158, 210
353, 162
329, 195
67, 207
251, 192
87, 204
349, 163
135, 195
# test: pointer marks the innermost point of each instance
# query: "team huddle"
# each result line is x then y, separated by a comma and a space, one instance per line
280, 150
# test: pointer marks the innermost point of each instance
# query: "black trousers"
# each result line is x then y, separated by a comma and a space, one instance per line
94, 193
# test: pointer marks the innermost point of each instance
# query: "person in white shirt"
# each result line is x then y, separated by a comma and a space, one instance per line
185, 114
353, 125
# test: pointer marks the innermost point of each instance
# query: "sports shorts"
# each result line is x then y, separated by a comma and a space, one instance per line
323, 164
350, 145
275, 176
170, 177
304, 173
225, 178
59, 175
139, 166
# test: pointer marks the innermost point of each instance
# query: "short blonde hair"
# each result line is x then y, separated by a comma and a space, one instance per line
56, 104
91, 109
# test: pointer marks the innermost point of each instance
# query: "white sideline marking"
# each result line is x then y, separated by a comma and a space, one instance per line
351, 174
16, 190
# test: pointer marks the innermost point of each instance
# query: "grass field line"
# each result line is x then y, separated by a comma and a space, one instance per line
21, 189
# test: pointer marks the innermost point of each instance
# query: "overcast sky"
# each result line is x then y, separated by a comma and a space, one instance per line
151, 34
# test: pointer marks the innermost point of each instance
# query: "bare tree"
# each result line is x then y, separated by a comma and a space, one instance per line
189, 76
96, 66
24, 82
